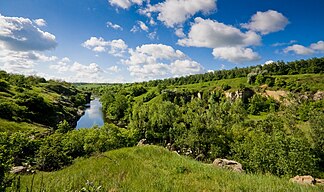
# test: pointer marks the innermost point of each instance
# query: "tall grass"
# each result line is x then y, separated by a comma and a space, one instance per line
151, 168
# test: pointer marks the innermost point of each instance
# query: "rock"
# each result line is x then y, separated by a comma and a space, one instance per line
306, 179
319, 181
228, 164
142, 142
319, 95
18, 169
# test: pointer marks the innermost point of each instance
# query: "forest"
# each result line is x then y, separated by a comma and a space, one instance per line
270, 118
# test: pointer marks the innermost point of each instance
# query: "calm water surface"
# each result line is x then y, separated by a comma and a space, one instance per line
92, 116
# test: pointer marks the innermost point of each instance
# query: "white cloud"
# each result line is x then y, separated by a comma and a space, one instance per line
62, 66
267, 22
153, 61
125, 4
40, 22
151, 53
179, 32
319, 46
212, 34
185, 67
139, 25
236, 54
174, 12
268, 62
21, 34
114, 69
152, 35
143, 26
114, 26
114, 47
284, 43
299, 49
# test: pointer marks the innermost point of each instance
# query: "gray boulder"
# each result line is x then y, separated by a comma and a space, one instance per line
228, 164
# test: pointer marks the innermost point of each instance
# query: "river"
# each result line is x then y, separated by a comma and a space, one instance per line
93, 115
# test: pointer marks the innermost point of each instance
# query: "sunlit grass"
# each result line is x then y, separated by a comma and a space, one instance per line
152, 168
12, 126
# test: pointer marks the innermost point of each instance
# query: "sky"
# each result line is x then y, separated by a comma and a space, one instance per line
109, 41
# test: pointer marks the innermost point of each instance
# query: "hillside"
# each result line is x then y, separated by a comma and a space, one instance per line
36, 102
152, 168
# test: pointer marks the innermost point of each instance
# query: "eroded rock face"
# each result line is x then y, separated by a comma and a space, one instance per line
306, 179
228, 164
244, 94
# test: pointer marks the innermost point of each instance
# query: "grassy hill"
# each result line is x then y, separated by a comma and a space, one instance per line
152, 168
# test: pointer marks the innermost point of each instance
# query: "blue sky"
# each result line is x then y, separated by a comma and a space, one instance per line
137, 40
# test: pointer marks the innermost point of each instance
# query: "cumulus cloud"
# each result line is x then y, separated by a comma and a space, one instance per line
62, 65
267, 22
153, 61
299, 49
125, 4
185, 67
114, 47
319, 46
22, 62
114, 26
212, 34
268, 62
174, 12
40, 22
236, 54
81, 72
21, 34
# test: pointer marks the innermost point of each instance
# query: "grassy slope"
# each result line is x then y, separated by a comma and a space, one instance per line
12, 126
152, 168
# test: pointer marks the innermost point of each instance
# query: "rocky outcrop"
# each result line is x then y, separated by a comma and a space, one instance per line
18, 169
306, 179
228, 164
142, 142
244, 94
27, 169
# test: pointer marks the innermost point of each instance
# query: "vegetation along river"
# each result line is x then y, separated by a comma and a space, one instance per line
93, 115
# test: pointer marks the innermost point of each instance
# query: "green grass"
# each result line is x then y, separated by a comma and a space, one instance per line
12, 126
152, 168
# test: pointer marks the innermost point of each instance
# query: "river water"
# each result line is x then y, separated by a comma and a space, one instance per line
93, 115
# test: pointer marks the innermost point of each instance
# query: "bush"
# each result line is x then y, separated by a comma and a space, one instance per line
51, 155
275, 152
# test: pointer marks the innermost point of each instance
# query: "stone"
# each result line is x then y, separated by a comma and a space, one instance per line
319, 181
142, 142
18, 169
306, 179
228, 164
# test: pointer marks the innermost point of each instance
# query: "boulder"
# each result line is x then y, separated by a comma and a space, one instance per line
306, 179
18, 169
142, 142
319, 181
319, 95
228, 164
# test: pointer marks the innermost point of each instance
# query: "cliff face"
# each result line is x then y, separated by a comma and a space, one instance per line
244, 94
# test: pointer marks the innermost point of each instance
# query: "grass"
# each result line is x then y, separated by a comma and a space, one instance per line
152, 168
12, 126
